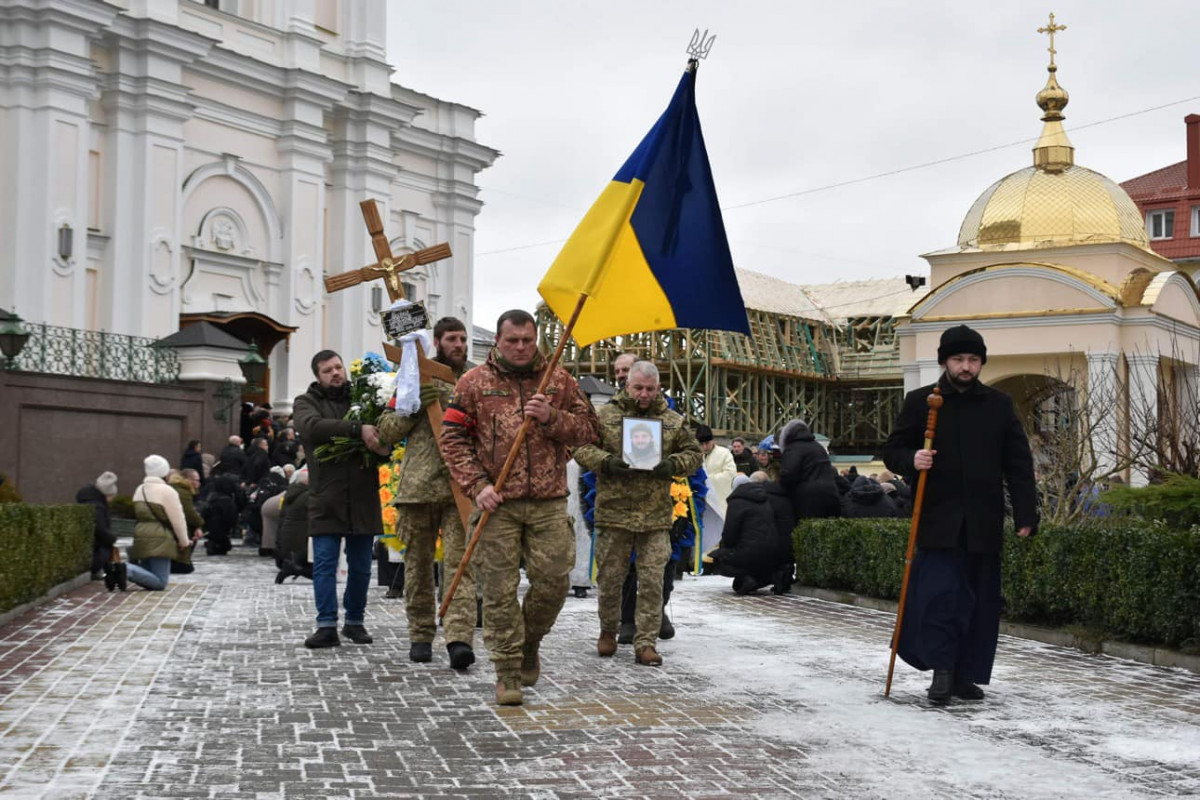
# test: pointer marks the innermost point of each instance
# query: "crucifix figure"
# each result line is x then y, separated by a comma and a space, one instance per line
389, 269
1052, 29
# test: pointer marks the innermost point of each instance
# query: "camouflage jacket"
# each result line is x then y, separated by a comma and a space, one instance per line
638, 501
481, 423
423, 474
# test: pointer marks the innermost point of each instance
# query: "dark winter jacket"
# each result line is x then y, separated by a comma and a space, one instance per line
866, 498
191, 460
980, 446
232, 460
808, 478
757, 537
102, 535
258, 464
284, 452
221, 506
744, 462
343, 496
292, 540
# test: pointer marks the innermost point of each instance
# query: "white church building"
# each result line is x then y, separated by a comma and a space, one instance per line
170, 163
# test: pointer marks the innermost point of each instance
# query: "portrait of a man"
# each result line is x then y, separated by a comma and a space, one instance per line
642, 442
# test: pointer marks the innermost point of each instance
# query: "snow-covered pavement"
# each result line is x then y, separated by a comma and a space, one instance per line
205, 691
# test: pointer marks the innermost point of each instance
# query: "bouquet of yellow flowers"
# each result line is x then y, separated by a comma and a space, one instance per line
372, 386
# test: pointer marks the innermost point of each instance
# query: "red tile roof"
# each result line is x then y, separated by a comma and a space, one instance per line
1168, 181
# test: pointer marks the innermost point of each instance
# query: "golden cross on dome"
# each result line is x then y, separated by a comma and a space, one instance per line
1052, 29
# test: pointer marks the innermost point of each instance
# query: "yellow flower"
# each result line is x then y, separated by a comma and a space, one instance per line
385, 474
680, 510
390, 516
385, 496
398, 453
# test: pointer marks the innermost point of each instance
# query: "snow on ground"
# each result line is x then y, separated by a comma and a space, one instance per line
1033, 736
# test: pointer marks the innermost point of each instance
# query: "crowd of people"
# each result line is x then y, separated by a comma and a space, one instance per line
514, 415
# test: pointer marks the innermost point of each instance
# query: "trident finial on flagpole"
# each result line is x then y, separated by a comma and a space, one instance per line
701, 44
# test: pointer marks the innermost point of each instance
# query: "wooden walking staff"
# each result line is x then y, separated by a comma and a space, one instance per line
389, 269
935, 402
512, 456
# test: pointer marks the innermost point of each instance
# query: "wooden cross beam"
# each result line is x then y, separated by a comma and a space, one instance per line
389, 269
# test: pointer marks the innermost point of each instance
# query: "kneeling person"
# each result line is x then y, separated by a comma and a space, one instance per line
633, 508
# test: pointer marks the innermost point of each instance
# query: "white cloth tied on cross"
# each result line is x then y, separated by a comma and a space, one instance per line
408, 373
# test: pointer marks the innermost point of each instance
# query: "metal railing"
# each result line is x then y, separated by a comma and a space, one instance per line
79, 353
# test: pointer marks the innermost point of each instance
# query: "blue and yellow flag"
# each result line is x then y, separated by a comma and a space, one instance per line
651, 253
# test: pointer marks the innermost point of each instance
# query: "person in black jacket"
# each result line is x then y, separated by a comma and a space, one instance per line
98, 495
867, 498
291, 545
756, 542
343, 502
222, 500
807, 475
232, 459
952, 616
258, 463
191, 458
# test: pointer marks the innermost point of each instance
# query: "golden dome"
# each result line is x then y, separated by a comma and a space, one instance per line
1054, 202
1035, 207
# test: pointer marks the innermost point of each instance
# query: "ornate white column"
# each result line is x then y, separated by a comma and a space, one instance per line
1103, 389
1143, 409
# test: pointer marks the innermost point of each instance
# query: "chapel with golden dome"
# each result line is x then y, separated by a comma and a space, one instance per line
1054, 268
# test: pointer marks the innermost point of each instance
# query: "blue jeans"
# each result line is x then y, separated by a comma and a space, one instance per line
324, 577
150, 573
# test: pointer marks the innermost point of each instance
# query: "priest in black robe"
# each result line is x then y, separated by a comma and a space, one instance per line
952, 613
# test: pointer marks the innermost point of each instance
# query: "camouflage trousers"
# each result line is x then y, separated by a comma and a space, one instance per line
613, 547
539, 531
418, 527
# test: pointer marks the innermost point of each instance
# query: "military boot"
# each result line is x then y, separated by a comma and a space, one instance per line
508, 689
606, 645
531, 663
647, 656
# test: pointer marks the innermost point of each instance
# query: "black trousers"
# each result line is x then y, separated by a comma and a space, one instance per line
629, 591
952, 614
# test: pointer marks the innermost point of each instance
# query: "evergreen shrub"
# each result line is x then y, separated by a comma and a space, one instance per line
43, 546
1129, 578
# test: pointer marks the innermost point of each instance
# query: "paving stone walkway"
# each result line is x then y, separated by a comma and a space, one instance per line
205, 691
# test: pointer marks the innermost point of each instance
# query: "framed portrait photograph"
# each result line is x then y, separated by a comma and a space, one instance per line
641, 442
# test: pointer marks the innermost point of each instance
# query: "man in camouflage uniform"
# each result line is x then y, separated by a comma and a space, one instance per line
529, 517
633, 509
426, 506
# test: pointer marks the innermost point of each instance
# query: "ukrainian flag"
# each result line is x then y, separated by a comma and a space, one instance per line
651, 253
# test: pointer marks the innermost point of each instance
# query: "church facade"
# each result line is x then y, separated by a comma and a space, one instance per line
170, 163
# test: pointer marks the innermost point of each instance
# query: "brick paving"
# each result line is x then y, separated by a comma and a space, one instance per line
205, 691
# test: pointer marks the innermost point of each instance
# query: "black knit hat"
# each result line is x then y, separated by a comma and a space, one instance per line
961, 339
704, 433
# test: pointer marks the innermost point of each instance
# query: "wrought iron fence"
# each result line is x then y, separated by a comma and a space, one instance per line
95, 354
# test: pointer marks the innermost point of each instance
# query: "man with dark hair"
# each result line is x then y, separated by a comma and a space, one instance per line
529, 518
634, 509
343, 502
743, 459
427, 506
952, 615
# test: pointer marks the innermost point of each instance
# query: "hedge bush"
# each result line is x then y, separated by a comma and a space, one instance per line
1126, 578
43, 546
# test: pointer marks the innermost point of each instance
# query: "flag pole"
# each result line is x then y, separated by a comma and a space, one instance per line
934, 401
512, 455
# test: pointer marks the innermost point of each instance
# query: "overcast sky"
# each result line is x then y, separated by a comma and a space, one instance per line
795, 97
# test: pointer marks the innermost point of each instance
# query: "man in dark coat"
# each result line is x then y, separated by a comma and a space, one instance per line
756, 542
258, 462
867, 499
807, 475
952, 617
98, 495
233, 458
743, 459
343, 502
222, 500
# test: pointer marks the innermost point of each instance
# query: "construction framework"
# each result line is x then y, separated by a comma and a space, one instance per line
841, 375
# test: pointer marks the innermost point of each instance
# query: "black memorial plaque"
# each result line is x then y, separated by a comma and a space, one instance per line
405, 320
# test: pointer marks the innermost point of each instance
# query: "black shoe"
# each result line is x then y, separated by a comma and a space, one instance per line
110, 576
394, 593
462, 655
122, 575
666, 630
745, 585
282, 575
357, 634
939, 689
420, 652
580, 591
626, 633
324, 637
967, 691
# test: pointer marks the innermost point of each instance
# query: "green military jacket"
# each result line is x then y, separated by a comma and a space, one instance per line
638, 501
423, 477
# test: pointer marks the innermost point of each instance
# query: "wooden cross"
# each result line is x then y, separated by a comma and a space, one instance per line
1052, 29
389, 269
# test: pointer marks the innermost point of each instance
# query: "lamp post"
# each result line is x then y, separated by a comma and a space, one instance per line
254, 370
12, 339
